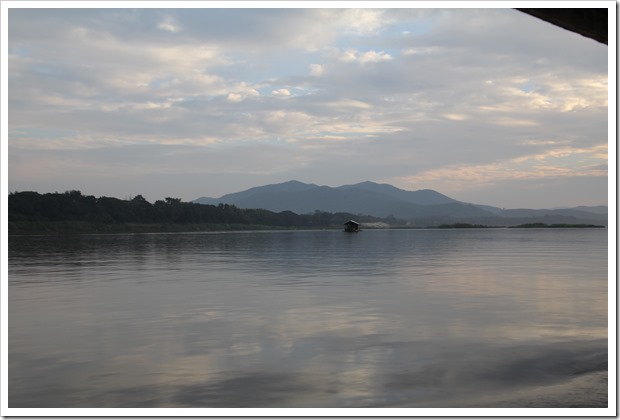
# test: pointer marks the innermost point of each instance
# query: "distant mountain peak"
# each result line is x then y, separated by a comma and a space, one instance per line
366, 197
292, 182
384, 200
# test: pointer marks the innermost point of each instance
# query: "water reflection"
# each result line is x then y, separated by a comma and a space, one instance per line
393, 318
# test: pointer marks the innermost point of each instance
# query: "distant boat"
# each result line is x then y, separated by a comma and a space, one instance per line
351, 226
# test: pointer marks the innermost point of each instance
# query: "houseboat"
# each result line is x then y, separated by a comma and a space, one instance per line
351, 226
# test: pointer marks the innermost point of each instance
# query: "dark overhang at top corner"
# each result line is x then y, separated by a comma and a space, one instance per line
591, 23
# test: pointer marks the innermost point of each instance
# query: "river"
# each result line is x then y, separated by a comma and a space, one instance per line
380, 318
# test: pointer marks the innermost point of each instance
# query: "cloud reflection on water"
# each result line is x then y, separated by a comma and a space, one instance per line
241, 320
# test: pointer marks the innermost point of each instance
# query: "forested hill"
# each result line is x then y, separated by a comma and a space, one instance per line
71, 211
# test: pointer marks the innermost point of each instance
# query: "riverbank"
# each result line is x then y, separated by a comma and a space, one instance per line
78, 227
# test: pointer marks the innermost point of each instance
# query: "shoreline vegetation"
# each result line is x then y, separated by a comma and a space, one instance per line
522, 226
72, 212
31, 213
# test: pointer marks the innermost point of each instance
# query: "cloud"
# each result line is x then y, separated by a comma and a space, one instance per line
554, 163
281, 93
414, 94
169, 24
316, 69
364, 21
352, 55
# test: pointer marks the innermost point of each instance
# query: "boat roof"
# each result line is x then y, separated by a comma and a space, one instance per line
351, 222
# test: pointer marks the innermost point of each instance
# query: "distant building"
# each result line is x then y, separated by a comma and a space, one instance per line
351, 226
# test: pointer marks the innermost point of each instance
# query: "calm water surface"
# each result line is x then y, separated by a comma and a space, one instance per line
409, 318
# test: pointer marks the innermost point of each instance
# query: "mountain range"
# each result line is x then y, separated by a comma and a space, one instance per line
424, 207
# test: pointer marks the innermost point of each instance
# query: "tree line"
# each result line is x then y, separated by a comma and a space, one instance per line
29, 209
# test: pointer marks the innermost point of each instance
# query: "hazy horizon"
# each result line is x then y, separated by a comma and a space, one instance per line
485, 105
129, 197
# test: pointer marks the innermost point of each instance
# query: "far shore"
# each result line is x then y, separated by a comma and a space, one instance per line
78, 227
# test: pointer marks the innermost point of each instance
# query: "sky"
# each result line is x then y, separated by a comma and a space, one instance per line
485, 105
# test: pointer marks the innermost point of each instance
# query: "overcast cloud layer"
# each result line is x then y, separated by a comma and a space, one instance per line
484, 105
